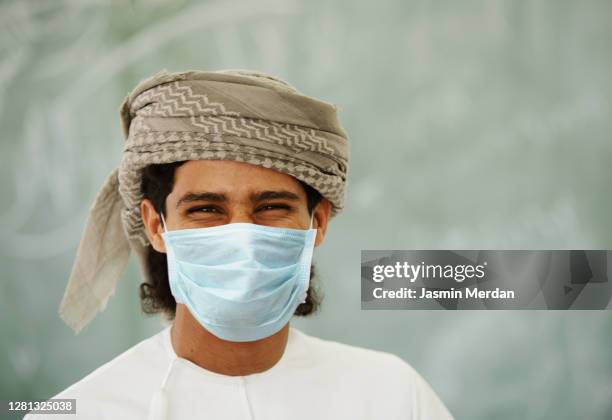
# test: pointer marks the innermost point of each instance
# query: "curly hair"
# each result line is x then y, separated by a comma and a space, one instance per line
156, 297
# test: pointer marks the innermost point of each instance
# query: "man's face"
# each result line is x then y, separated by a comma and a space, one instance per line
212, 192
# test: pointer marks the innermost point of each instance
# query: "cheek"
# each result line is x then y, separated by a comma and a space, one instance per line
281, 222
294, 218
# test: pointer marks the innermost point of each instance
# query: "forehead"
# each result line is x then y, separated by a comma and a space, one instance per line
231, 177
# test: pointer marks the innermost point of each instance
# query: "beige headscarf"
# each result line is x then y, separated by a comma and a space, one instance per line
233, 115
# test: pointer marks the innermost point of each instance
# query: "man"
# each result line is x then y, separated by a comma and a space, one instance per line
228, 181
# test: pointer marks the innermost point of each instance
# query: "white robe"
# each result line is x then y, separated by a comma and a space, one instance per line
314, 379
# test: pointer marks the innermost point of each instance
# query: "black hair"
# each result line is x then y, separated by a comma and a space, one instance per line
156, 297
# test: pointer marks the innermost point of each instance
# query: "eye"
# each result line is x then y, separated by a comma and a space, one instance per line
274, 207
203, 209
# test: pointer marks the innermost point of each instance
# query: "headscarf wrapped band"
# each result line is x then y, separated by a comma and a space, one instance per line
241, 116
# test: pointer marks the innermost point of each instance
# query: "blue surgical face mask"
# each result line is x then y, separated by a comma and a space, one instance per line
241, 281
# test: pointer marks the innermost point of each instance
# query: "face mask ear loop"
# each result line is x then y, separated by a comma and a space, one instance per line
311, 220
163, 221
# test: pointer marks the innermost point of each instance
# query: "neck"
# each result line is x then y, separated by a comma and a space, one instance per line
193, 342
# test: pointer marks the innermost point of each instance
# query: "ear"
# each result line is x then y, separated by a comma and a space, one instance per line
321, 218
152, 224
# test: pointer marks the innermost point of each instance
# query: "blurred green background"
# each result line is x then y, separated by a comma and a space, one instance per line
472, 124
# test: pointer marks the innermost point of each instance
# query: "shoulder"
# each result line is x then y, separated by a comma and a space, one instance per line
127, 381
359, 359
379, 375
135, 366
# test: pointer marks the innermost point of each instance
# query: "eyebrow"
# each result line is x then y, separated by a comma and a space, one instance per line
273, 195
191, 197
